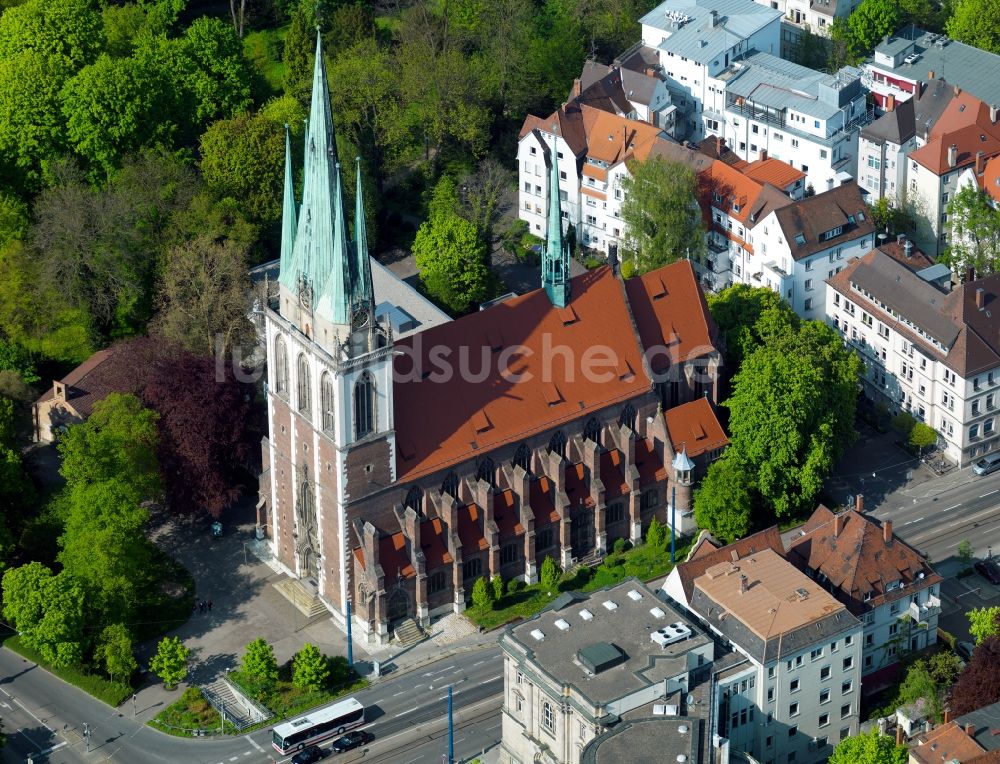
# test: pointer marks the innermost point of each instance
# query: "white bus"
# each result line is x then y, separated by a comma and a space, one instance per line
318, 725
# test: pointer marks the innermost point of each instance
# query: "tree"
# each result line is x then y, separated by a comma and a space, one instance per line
450, 254
16, 358
922, 436
310, 670
979, 683
886, 216
843, 46
498, 587
482, 594
550, 575
747, 318
975, 228
976, 23
218, 74
964, 550
48, 612
871, 21
870, 748
662, 219
656, 535
170, 662
113, 107
723, 503
114, 649
984, 622
792, 414
259, 664
483, 196
202, 296
69, 29
811, 50
930, 679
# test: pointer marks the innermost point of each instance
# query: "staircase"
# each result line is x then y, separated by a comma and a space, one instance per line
239, 710
592, 560
302, 595
407, 633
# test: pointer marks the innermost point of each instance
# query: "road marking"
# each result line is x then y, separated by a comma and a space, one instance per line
440, 671
253, 742
53, 748
248, 753
234, 758
990, 493
407, 711
397, 694
31, 714
949, 509
480, 663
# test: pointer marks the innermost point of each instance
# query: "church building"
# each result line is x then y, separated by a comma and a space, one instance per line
398, 470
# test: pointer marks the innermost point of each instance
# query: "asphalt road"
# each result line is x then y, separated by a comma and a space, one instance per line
43, 717
936, 521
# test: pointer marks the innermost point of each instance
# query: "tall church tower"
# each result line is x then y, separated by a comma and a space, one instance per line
329, 391
555, 263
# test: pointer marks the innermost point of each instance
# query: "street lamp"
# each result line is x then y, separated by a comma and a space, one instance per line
86, 735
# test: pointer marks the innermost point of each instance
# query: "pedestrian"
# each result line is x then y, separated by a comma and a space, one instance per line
201, 606
210, 606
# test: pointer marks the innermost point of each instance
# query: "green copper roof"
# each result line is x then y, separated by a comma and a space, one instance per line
363, 294
555, 263
286, 270
335, 299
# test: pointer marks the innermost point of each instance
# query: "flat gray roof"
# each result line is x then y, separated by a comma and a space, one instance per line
566, 628
972, 69
645, 741
696, 38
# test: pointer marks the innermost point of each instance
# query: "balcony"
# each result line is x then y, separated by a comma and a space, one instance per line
924, 612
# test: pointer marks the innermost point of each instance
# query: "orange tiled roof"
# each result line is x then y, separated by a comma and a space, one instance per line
394, 558
946, 743
90, 383
991, 179
542, 504
695, 427
470, 529
593, 171
432, 544
650, 465
612, 139
707, 556
773, 171
738, 188
476, 415
857, 561
594, 193
505, 514
965, 123
612, 475
576, 486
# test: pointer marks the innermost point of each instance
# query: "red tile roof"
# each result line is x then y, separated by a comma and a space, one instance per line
612, 475
538, 392
90, 383
705, 556
394, 558
857, 561
964, 123
542, 502
695, 427
671, 315
947, 743
991, 179
774, 171
650, 465
470, 529
505, 514
577, 489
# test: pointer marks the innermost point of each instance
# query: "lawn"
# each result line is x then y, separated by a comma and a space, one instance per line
112, 693
189, 715
645, 562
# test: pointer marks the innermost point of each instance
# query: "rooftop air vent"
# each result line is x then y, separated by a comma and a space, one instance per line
657, 612
668, 635
634, 595
683, 729
586, 615
538, 634
610, 605
562, 625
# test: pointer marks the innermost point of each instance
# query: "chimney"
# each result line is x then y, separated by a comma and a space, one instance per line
993, 114
947, 715
59, 390
970, 274
839, 521
980, 162
952, 155
887, 531
715, 18
899, 734
970, 730
980, 298
958, 90
890, 102
859, 503
907, 249
930, 75
763, 155
744, 583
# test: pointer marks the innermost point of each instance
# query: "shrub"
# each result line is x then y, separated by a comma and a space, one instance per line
497, 583
514, 585
482, 594
310, 668
550, 574
656, 536
621, 546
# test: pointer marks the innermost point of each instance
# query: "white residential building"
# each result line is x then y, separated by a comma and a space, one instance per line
797, 690
815, 15
926, 350
695, 40
761, 103
878, 577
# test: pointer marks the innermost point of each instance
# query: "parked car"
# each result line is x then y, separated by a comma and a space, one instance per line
987, 464
351, 740
989, 570
964, 650
309, 755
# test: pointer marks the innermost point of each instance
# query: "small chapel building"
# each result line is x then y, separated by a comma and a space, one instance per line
397, 471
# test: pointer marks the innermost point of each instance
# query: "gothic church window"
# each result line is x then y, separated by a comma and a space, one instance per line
486, 470
627, 419
414, 499
438, 582
302, 378
558, 444
522, 457
450, 484
280, 366
592, 430
364, 406
326, 395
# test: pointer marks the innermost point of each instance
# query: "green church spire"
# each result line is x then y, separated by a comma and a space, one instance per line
364, 297
555, 264
335, 299
286, 269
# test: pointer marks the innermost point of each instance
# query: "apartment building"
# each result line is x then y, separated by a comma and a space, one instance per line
695, 40
927, 350
817, 16
900, 62
794, 692
630, 94
885, 144
594, 665
762, 103
966, 134
882, 581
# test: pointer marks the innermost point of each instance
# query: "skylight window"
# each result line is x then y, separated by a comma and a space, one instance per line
800, 238
610, 605
634, 595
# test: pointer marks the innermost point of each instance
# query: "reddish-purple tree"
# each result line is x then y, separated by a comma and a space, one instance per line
207, 423
979, 684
